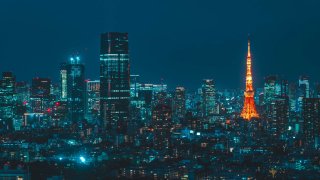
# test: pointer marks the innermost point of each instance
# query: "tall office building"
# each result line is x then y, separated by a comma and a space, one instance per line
274, 87
76, 88
60, 112
114, 81
317, 91
278, 117
145, 94
311, 121
161, 123
304, 86
208, 97
92, 99
284, 87
7, 93
23, 92
63, 81
179, 104
276, 105
271, 89
292, 97
303, 91
40, 94
134, 85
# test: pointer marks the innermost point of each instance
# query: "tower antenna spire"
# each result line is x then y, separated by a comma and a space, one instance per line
249, 109
249, 51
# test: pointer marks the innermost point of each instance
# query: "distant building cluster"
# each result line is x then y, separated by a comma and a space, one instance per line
121, 127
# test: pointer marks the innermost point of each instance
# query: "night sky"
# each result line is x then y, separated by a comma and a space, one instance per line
181, 41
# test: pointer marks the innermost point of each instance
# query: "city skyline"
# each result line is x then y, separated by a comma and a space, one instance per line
70, 57
280, 39
159, 89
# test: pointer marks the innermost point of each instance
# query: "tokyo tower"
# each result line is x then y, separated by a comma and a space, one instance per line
249, 108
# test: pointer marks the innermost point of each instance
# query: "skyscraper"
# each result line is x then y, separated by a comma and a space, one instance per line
40, 94
114, 81
311, 121
161, 123
22, 90
63, 81
317, 90
75, 89
304, 86
179, 104
278, 117
92, 99
41, 87
271, 89
303, 91
7, 93
249, 109
134, 85
292, 93
208, 97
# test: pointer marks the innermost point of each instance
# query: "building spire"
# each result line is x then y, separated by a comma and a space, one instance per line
249, 52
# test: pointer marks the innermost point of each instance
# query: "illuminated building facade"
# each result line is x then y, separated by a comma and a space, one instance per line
22, 90
7, 102
303, 91
63, 81
92, 99
161, 123
317, 90
134, 85
75, 89
249, 109
311, 121
208, 98
59, 112
56, 91
145, 95
40, 94
160, 95
304, 86
292, 93
159, 88
271, 89
114, 82
276, 105
179, 104
278, 117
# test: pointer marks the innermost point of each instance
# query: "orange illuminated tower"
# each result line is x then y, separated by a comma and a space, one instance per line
249, 108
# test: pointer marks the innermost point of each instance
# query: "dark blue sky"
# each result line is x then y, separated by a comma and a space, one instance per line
182, 41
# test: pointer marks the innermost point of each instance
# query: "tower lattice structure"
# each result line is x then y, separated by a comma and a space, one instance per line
249, 108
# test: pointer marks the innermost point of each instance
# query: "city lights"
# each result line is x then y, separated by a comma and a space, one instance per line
249, 109
81, 112
82, 159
